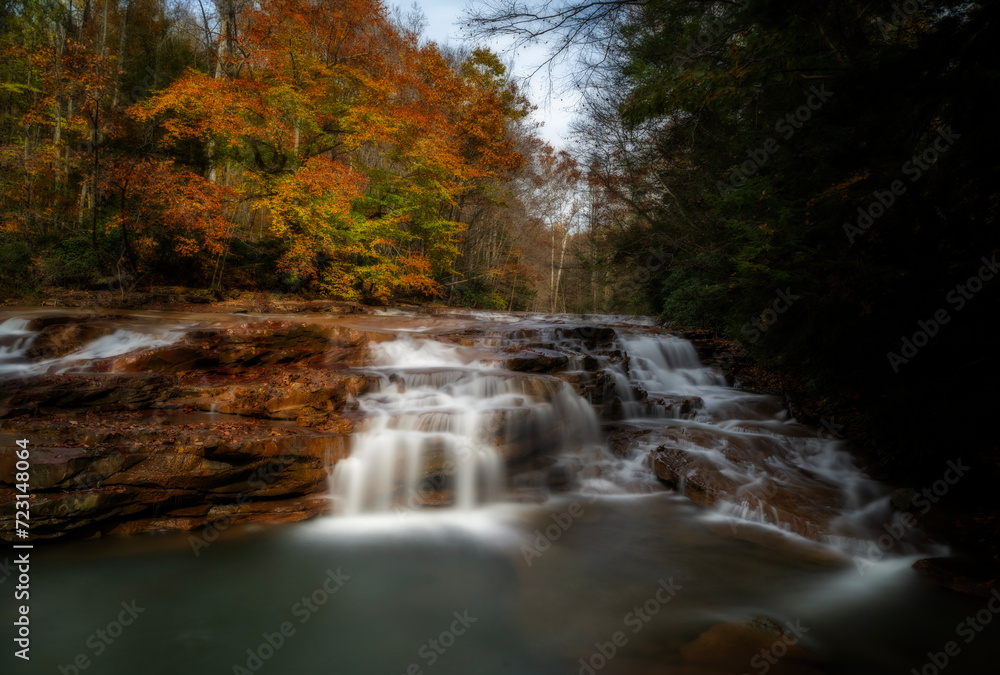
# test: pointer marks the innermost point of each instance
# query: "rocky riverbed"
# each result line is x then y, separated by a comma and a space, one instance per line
143, 421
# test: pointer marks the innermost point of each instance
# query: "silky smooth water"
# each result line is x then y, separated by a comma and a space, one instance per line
493, 586
408, 578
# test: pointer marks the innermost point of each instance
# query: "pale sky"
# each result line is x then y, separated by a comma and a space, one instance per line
555, 112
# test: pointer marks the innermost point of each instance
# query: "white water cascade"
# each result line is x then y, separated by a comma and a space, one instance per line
17, 338
662, 366
443, 422
445, 425
755, 449
668, 365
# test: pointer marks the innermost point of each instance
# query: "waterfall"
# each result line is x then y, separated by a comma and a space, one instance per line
763, 466
442, 424
446, 425
667, 365
17, 338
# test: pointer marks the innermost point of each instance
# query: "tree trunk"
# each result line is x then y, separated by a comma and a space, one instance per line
562, 257
552, 270
94, 181
121, 50
69, 116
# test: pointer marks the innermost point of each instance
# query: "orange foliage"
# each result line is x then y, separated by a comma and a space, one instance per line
168, 211
358, 143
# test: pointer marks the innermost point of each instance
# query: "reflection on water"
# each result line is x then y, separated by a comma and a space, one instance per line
404, 580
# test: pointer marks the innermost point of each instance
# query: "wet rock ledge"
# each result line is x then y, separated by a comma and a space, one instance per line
241, 421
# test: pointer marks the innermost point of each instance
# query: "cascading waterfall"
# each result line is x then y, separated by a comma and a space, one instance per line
420, 426
668, 365
751, 443
660, 366
446, 424
459, 416
442, 423
16, 339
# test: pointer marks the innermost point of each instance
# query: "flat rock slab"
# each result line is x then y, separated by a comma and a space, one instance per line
111, 473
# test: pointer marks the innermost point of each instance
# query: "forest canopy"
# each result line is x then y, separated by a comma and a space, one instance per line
289, 145
816, 180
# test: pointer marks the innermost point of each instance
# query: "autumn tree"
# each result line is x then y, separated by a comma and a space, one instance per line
304, 145
357, 143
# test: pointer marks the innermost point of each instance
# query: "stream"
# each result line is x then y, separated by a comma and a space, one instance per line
490, 517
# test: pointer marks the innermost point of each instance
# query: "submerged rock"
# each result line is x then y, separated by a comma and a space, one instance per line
755, 643
963, 576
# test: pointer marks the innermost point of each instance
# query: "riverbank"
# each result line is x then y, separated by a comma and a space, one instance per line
181, 299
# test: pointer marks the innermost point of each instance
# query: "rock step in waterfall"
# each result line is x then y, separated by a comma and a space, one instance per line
32, 346
441, 429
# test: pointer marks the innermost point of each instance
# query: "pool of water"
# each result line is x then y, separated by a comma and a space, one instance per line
525, 589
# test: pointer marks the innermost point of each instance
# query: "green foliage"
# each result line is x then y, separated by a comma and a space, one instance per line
72, 262
768, 125
15, 265
479, 294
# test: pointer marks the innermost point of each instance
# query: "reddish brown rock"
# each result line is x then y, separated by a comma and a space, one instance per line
247, 345
48, 394
166, 477
730, 647
309, 398
125, 448
61, 335
698, 463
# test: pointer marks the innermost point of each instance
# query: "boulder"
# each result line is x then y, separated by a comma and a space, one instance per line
144, 469
709, 470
